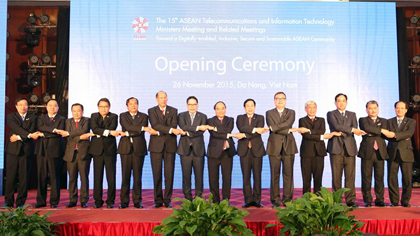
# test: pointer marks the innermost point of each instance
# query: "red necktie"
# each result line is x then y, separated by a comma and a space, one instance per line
51, 119
163, 112
375, 144
312, 119
77, 123
224, 144
249, 142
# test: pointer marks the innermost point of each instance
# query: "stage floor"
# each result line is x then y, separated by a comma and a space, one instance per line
133, 221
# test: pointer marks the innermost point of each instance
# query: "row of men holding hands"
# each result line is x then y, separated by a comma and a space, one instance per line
164, 120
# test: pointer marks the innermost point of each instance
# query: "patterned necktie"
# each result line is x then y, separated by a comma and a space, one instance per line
375, 144
77, 124
23, 118
133, 116
399, 122
192, 118
249, 142
51, 119
343, 114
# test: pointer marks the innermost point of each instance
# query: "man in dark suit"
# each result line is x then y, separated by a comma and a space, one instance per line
312, 148
162, 146
132, 148
251, 150
191, 147
281, 148
400, 151
343, 148
220, 151
103, 148
19, 152
76, 155
49, 151
373, 153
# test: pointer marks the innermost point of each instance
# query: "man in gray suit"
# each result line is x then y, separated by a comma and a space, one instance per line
400, 151
281, 148
76, 155
343, 149
191, 147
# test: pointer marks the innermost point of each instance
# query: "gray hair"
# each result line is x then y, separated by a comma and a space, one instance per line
310, 102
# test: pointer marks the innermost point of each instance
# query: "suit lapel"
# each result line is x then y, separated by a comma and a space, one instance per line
277, 115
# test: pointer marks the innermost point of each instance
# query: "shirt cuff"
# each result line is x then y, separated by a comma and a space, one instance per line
29, 135
227, 136
106, 133
142, 128
322, 137
158, 133
170, 131
127, 133
19, 138
53, 130
215, 129
253, 131
196, 129
188, 134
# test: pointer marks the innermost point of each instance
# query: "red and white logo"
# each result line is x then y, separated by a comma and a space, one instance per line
140, 25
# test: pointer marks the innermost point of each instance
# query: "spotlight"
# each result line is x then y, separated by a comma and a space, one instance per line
34, 59
33, 98
32, 37
31, 18
44, 18
34, 78
416, 59
45, 58
45, 97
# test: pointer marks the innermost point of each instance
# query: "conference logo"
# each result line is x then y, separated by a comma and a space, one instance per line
140, 25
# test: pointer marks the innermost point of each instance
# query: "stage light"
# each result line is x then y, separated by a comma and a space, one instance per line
416, 59
45, 97
33, 98
34, 78
45, 58
414, 19
32, 36
31, 18
34, 59
44, 18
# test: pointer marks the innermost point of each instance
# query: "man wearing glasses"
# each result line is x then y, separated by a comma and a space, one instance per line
281, 148
191, 147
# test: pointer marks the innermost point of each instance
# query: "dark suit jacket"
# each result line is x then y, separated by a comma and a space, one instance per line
52, 145
280, 138
338, 123
138, 146
23, 129
373, 131
162, 124
74, 138
312, 145
402, 140
194, 138
217, 139
103, 145
242, 122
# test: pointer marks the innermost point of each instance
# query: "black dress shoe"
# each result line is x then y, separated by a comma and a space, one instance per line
368, 204
157, 205
123, 205
71, 204
138, 205
40, 205
393, 204
379, 204
168, 205
352, 204
7, 205
258, 205
246, 205
53, 205
83, 204
110, 206
97, 206
406, 205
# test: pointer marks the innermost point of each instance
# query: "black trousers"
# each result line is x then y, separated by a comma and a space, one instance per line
393, 188
169, 167
214, 164
373, 164
249, 163
54, 166
17, 166
188, 163
99, 162
312, 167
288, 186
75, 167
340, 163
131, 163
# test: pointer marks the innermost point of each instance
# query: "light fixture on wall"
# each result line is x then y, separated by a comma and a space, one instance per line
44, 18
31, 18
